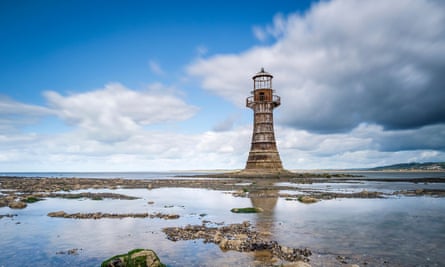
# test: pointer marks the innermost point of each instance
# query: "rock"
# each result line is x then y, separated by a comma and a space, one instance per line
199, 234
238, 237
57, 214
286, 250
264, 234
342, 259
239, 193
3, 203
297, 264
223, 243
170, 217
17, 205
115, 263
100, 215
93, 196
137, 258
307, 199
151, 259
234, 244
241, 236
73, 251
217, 237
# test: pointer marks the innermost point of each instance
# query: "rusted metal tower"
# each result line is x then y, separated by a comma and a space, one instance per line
263, 155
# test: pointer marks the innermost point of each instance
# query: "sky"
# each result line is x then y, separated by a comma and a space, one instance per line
161, 85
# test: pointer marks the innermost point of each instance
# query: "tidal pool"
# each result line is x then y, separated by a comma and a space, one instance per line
404, 231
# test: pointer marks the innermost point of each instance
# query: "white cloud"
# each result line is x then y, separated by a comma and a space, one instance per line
14, 115
116, 112
365, 146
147, 150
226, 124
143, 151
109, 134
277, 29
11, 107
343, 63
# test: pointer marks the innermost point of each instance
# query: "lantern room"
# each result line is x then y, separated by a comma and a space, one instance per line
262, 90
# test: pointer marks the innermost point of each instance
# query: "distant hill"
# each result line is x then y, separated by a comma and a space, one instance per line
414, 166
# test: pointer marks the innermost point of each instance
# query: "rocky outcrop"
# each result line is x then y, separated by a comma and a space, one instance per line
238, 237
100, 215
93, 196
135, 258
315, 196
17, 205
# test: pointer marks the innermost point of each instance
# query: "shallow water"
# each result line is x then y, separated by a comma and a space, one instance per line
359, 186
398, 231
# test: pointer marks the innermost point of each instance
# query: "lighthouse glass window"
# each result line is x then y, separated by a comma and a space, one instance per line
262, 82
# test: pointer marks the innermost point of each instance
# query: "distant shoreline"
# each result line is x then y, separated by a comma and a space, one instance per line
215, 171
348, 170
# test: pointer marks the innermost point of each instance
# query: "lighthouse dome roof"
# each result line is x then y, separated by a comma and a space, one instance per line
262, 72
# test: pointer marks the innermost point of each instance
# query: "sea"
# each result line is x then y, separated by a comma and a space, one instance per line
397, 230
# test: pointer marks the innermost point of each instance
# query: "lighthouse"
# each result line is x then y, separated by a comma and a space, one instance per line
263, 155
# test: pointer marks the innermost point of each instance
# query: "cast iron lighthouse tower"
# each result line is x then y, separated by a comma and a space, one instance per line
263, 155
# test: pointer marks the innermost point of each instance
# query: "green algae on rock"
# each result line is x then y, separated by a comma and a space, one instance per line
32, 199
135, 258
247, 210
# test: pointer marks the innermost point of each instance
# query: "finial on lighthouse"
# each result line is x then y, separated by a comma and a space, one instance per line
262, 72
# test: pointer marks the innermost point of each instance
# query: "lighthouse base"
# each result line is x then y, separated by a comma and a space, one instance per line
264, 160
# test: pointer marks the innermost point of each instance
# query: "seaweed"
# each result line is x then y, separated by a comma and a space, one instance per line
246, 210
128, 260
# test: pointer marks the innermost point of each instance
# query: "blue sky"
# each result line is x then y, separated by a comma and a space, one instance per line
80, 45
161, 85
